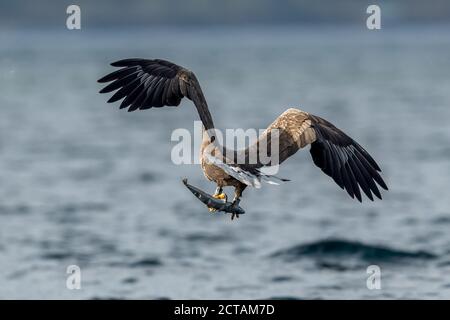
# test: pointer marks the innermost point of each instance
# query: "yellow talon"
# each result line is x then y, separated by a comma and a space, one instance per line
221, 196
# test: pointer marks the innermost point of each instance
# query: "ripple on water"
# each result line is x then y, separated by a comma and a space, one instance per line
130, 280
345, 248
282, 279
146, 263
19, 209
148, 177
205, 237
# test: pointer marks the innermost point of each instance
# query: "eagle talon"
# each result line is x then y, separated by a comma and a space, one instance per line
220, 196
212, 210
235, 204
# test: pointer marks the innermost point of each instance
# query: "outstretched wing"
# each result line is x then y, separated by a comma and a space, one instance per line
143, 84
338, 155
343, 159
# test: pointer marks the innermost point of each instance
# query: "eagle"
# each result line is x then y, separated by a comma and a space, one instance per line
155, 83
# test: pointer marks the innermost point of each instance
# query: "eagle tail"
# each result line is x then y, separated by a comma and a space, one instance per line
253, 178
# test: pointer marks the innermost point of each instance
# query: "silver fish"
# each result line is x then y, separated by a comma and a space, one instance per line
212, 202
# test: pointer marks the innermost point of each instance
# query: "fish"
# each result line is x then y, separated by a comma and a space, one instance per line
211, 202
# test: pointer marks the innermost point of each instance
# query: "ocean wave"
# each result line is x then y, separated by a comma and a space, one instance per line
146, 262
346, 248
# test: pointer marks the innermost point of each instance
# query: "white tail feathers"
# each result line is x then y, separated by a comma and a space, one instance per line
250, 179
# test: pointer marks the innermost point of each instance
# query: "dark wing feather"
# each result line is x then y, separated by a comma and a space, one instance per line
344, 160
144, 84
136, 77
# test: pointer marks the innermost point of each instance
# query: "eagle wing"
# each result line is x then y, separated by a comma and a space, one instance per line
143, 84
338, 155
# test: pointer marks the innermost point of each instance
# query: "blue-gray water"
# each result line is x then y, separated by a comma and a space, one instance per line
86, 184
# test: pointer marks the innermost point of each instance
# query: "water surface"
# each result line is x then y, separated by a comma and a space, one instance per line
87, 184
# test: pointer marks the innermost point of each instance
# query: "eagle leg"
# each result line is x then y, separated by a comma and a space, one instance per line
218, 194
237, 198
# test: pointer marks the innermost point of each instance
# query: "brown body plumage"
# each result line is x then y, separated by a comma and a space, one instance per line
156, 83
294, 130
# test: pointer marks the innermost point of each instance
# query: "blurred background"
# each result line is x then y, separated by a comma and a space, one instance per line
84, 183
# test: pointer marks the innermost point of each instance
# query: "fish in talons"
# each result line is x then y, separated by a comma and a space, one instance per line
217, 204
